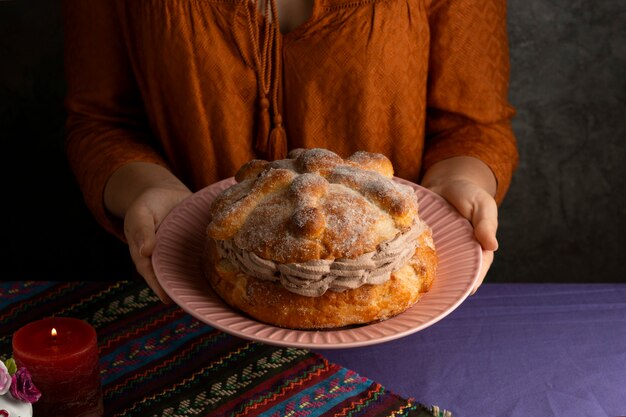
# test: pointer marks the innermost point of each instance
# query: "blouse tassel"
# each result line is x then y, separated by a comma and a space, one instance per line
278, 140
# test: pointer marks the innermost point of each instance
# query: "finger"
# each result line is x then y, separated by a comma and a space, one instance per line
144, 267
485, 222
484, 268
140, 233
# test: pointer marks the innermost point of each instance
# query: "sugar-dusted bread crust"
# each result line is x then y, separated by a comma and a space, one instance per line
313, 205
271, 303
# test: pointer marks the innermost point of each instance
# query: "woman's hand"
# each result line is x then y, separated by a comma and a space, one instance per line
143, 194
469, 185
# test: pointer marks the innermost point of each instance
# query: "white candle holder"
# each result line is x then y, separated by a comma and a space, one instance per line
11, 407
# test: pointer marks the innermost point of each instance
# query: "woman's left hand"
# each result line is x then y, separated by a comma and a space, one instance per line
469, 185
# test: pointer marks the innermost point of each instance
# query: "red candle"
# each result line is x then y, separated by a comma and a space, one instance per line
61, 354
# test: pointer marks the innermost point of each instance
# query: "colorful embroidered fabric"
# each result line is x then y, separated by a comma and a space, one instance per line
156, 360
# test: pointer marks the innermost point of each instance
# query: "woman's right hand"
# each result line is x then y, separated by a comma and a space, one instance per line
143, 194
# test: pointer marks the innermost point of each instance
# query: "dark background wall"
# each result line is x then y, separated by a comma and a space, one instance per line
564, 219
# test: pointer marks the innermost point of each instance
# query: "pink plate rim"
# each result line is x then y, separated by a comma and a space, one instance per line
180, 241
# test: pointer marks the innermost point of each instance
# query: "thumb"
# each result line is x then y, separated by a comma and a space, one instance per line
140, 233
485, 221
148, 239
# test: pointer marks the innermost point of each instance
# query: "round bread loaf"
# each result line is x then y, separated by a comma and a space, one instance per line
315, 241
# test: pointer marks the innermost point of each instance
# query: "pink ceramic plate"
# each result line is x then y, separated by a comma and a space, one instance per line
176, 263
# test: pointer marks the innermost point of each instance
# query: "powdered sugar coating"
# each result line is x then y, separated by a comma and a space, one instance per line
314, 206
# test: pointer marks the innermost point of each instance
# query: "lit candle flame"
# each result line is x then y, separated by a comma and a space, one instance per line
53, 333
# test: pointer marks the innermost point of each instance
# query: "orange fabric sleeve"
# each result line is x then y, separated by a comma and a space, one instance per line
468, 112
106, 126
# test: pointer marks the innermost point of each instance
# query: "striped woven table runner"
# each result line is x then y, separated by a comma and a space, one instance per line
157, 360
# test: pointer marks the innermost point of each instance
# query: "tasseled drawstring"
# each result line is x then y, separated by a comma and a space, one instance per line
271, 140
277, 148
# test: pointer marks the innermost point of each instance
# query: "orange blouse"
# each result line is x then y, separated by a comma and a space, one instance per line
180, 82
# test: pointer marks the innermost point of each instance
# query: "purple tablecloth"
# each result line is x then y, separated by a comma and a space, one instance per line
514, 350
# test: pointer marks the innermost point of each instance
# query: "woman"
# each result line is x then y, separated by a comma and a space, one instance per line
166, 97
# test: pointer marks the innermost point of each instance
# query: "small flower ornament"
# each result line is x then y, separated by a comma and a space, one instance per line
5, 378
17, 391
